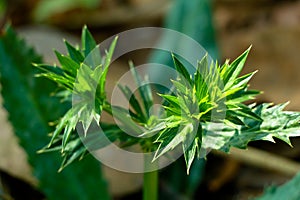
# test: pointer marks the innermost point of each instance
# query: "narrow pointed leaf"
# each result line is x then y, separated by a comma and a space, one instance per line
67, 64
144, 90
133, 102
74, 53
182, 70
235, 68
88, 42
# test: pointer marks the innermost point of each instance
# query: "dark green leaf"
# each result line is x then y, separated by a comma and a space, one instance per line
88, 42
180, 68
74, 53
67, 64
289, 190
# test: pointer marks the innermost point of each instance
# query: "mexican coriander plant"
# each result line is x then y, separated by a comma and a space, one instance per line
203, 111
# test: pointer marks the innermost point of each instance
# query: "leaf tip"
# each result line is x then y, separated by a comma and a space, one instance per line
40, 151
35, 64
84, 28
60, 169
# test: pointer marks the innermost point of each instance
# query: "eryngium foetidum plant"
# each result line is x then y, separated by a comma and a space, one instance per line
203, 111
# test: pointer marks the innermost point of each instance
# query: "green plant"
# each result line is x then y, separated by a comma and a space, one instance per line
289, 190
205, 110
30, 107
194, 19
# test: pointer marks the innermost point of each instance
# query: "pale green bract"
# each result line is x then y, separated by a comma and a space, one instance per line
205, 110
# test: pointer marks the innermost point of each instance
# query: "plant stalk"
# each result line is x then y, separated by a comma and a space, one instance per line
150, 188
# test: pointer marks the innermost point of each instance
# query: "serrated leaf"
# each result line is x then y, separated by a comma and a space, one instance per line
176, 140
189, 154
86, 86
28, 98
84, 97
275, 123
241, 110
192, 145
87, 80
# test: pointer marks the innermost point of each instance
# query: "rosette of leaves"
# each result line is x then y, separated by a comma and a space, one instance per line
210, 113
204, 111
26, 97
213, 95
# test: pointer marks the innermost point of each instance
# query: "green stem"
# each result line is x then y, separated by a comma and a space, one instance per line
150, 190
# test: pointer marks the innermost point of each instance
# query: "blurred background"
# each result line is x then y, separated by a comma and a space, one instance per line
224, 27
